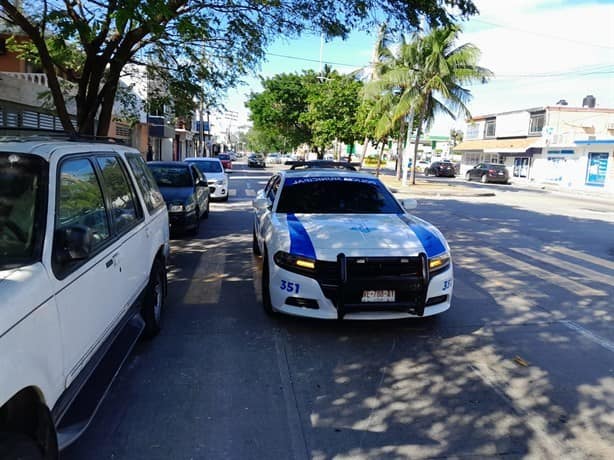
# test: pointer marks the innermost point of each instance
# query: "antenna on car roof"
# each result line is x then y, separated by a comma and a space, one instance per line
322, 164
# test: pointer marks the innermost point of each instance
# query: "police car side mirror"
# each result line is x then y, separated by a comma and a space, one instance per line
261, 203
409, 204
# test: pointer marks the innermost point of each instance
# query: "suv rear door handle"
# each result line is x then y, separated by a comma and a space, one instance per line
109, 263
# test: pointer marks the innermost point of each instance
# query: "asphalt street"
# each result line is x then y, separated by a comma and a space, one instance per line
521, 366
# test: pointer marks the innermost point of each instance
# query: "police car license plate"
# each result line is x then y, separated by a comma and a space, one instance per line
386, 295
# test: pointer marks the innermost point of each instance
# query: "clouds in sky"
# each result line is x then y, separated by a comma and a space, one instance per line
541, 51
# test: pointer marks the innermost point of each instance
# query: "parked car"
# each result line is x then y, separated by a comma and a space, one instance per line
226, 161
489, 172
84, 245
337, 244
255, 160
217, 179
273, 158
185, 191
440, 169
421, 166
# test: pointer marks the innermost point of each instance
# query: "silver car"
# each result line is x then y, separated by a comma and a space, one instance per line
217, 179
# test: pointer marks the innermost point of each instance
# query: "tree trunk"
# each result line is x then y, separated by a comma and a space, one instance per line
410, 126
400, 150
379, 158
365, 145
418, 132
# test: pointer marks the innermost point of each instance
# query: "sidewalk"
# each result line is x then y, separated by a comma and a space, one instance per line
427, 188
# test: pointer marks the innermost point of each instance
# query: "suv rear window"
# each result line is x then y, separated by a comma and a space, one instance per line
23, 205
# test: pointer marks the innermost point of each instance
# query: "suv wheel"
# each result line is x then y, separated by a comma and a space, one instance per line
206, 213
484, 178
468, 177
153, 303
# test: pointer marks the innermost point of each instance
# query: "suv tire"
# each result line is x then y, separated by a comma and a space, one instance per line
484, 178
255, 247
153, 303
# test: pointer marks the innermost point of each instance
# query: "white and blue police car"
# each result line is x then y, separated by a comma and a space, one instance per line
336, 244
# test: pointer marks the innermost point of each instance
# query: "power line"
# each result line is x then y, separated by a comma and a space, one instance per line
313, 60
533, 32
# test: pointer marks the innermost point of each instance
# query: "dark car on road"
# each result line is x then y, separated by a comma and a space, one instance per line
255, 160
440, 169
488, 172
185, 191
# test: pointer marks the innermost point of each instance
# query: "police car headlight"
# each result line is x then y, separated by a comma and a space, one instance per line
175, 207
439, 263
295, 263
220, 182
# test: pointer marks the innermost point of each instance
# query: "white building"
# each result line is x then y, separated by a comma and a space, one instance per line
571, 147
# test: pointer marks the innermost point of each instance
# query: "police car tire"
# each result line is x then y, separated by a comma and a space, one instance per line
18, 446
266, 288
255, 247
206, 213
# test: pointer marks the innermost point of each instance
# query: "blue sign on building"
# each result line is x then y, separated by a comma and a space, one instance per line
597, 168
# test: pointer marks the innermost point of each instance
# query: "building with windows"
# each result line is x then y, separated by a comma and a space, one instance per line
567, 146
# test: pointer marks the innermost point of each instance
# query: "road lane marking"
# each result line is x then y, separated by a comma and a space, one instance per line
581, 256
250, 192
605, 343
560, 281
232, 192
609, 280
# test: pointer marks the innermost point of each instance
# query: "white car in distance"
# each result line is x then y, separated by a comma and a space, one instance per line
337, 244
217, 179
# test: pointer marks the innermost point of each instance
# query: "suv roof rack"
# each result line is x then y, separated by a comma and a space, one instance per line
322, 164
23, 134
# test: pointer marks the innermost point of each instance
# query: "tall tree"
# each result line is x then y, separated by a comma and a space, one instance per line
277, 110
208, 43
427, 73
441, 70
332, 106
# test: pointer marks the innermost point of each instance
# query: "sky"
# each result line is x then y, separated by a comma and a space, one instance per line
541, 51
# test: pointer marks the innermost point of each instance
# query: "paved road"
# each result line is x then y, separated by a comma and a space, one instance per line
521, 366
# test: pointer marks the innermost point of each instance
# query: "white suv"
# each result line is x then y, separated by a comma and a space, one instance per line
84, 244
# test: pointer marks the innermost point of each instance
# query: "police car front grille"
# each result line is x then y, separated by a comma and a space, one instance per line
378, 267
372, 268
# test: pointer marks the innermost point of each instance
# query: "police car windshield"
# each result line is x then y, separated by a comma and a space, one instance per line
336, 195
23, 187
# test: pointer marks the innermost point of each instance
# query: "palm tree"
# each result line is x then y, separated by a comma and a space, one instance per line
428, 73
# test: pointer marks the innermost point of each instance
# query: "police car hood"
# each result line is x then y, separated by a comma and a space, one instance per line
326, 235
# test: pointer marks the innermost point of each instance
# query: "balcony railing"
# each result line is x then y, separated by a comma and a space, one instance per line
36, 78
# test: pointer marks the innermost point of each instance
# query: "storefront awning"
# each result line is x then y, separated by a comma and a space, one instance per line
497, 145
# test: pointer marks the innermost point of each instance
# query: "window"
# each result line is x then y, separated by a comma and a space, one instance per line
536, 124
490, 127
336, 195
80, 202
123, 206
206, 166
521, 167
2, 46
146, 183
274, 186
23, 186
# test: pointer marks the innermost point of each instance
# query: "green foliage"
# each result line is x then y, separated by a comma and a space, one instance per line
210, 43
333, 104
